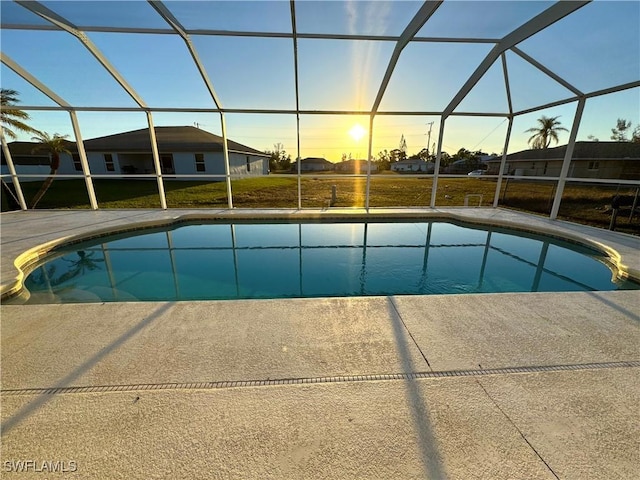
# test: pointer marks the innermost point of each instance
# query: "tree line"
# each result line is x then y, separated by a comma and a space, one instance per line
546, 131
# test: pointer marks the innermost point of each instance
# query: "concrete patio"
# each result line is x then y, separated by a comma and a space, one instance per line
537, 385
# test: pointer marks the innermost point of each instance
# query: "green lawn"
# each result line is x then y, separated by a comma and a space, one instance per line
583, 204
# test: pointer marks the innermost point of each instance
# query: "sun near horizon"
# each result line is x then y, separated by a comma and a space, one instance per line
357, 132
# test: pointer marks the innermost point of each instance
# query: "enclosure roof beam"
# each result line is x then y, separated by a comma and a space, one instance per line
269, 111
544, 69
240, 33
507, 87
414, 26
617, 88
596, 93
180, 30
557, 103
4, 58
68, 27
551, 15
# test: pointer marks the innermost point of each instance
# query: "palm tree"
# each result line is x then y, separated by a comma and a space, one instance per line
547, 130
10, 115
54, 146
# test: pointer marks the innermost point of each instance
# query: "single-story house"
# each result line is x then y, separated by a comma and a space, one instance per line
313, 164
619, 160
30, 160
182, 150
413, 165
466, 165
355, 166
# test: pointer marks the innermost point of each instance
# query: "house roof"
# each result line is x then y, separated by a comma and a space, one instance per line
169, 139
318, 160
411, 161
26, 149
582, 151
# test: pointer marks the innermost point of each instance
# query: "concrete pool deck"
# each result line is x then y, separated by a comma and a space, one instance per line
537, 385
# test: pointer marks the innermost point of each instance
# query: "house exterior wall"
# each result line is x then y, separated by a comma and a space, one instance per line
313, 167
603, 168
26, 170
184, 163
66, 168
247, 165
98, 166
214, 163
596, 169
412, 166
96, 162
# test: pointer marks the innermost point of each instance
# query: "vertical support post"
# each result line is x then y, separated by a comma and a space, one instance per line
298, 162
83, 160
614, 218
294, 30
12, 171
156, 161
507, 88
496, 196
567, 159
225, 154
436, 169
370, 151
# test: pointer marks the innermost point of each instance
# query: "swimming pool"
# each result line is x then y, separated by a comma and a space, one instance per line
220, 261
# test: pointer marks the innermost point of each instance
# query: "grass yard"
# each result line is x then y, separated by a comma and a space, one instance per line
581, 203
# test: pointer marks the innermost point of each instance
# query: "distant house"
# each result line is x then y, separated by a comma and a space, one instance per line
414, 165
465, 166
619, 160
355, 166
182, 151
313, 164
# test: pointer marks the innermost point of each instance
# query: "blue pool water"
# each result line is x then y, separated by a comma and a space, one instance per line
284, 260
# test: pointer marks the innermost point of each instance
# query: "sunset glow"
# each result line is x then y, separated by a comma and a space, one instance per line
357, 132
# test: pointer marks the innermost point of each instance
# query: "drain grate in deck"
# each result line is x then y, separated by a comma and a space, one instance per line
301, 381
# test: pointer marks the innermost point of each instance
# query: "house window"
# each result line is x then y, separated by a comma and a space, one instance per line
200, 166
166, 163
248, 164
593, 165
108, 162
76, 162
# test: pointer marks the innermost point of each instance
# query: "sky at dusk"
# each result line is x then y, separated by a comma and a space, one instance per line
594, 48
